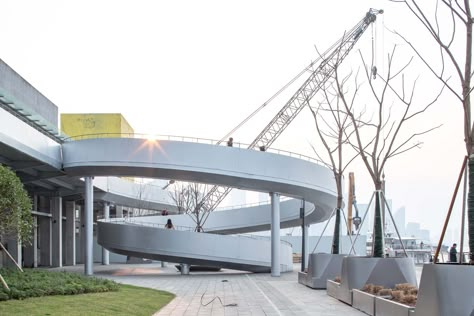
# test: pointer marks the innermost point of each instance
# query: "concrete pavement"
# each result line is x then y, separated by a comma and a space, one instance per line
227, 292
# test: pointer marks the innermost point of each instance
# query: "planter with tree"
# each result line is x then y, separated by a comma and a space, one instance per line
446, 289
381, 140
334, 127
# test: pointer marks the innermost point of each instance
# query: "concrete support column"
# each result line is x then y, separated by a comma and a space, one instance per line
82, 241
88, 222
44, 224
118, 211
105, 252
14, 248
57, 231
70, 251
30, 258
31, 251
306, 245
185, 268
275, 234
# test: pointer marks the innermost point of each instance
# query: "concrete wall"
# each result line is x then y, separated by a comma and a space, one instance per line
23, 94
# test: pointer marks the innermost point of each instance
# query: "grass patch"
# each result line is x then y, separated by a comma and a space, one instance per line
127, 300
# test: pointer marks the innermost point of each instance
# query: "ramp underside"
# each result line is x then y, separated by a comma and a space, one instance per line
232, 252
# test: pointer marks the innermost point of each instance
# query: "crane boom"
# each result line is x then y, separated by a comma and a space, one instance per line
317, 79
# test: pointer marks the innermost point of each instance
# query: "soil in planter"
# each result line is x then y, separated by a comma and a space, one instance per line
404, 293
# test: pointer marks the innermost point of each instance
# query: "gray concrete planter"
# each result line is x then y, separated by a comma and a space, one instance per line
358, 271
321, 267
363, 301
386, 307
446, 289
332, 288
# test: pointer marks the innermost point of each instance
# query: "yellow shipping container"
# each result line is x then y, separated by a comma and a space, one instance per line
94, 125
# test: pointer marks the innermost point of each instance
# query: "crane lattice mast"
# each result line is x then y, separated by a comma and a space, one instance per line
331, 59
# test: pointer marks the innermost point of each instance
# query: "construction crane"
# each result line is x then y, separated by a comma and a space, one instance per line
356, 220
319, 76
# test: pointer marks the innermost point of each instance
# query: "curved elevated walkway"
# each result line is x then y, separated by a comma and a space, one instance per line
233, 252
227, 166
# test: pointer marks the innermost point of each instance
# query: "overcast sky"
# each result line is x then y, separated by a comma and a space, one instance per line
198, 68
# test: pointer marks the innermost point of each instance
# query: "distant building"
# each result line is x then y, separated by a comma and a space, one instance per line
413, 229
425, 234
399, 217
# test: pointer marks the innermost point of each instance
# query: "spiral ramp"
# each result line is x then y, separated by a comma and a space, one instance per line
219, 245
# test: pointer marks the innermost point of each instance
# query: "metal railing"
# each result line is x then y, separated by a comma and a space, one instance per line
133, 221
190, 140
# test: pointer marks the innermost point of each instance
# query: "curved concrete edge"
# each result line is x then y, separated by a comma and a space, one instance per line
233, 252
221, 165
235, 221
128, 193
248, 219
321, 267
358, 271
446, 289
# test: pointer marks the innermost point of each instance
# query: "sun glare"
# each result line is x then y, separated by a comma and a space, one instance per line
151, 138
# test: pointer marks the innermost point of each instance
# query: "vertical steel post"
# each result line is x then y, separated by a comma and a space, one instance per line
303, 236
105, 252
275, 234
88, 222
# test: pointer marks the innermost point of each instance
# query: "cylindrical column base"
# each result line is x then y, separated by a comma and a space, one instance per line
184, 268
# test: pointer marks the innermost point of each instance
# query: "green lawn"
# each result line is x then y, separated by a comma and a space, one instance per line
128, 300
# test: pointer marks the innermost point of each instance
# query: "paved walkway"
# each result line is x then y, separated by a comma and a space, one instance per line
227, 292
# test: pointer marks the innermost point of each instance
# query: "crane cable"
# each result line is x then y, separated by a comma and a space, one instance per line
308, 68
266, 102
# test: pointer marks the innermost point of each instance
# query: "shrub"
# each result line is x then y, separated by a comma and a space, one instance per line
367, 288
397, 295
409, 299
385, 292
4, 296
372, 289
405, 293
35, 283
405, 287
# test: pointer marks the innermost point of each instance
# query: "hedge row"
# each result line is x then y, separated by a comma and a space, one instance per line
35, 283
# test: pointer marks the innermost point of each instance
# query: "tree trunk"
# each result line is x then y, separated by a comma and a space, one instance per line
470, 209
377, 235
337, 229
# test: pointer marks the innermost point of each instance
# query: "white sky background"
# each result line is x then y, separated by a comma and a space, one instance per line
198, 68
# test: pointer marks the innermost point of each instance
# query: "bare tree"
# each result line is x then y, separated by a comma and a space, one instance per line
334, 127
189, 198
141, 194
383, 138
450, 27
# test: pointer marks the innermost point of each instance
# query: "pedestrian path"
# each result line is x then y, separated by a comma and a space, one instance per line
227, 292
